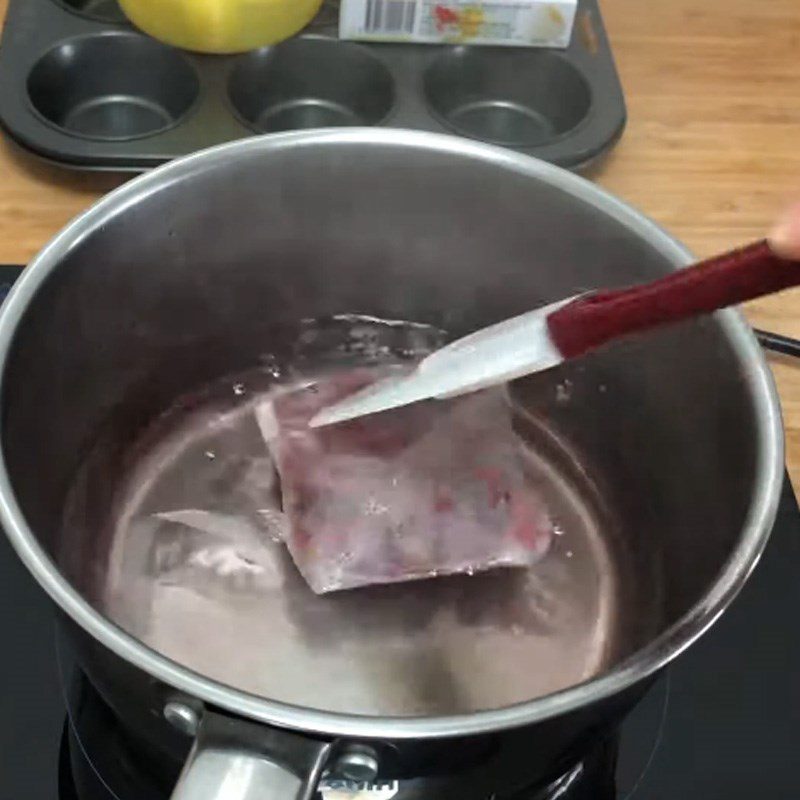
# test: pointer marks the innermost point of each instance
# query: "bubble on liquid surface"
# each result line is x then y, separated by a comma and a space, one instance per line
564, 391
271, 366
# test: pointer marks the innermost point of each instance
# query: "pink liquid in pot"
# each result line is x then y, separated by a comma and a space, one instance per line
192, 557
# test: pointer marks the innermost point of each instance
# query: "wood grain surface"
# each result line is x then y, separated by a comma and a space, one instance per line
712, 148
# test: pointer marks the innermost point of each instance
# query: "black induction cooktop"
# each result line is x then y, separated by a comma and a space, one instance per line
722, 724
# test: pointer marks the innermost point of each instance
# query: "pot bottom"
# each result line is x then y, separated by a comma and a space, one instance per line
184, 567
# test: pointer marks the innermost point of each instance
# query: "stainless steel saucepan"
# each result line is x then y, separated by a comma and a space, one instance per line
661, 459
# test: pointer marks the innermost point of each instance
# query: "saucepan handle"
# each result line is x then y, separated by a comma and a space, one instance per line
724, 280
236, 760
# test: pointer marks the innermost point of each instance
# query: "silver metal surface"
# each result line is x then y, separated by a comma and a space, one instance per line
236, 761
179, 277
215, 775
182, 717
358, 764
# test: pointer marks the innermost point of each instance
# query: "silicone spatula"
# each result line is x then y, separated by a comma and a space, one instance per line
547, 336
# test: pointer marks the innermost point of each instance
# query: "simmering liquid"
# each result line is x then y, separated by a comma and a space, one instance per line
194, 566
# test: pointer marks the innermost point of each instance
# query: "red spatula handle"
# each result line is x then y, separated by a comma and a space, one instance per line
598, 317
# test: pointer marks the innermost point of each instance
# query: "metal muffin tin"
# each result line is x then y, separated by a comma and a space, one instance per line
82, 87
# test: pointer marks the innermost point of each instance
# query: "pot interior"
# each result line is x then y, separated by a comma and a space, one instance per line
647, 451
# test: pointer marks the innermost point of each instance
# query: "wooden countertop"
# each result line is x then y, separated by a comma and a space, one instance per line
712, 148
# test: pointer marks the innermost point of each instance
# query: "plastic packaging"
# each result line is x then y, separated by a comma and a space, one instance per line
431, 489
525, 23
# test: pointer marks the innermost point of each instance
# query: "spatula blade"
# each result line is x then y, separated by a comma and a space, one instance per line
494, 355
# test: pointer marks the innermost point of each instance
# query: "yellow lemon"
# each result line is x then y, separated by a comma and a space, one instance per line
220, 26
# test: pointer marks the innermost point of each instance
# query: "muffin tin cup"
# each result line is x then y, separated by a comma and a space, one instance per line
310, 82
84, 88
480, 94
112, 86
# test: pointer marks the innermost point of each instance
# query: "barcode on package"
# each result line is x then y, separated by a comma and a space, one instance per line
390, 16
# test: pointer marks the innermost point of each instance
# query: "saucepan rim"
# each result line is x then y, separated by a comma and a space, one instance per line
646, 661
